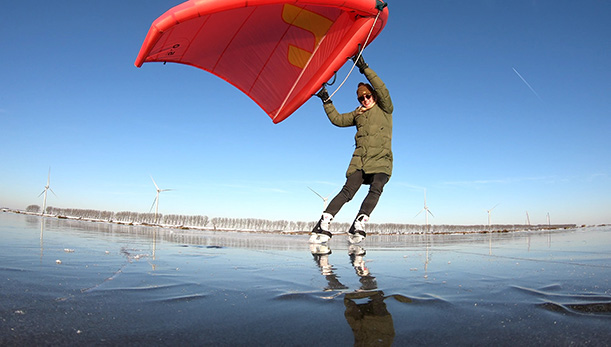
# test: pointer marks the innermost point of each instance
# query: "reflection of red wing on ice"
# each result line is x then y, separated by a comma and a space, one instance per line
278, 53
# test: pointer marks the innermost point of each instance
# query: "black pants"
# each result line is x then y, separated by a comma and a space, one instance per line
376, 184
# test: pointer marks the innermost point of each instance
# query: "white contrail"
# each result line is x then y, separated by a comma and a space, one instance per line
523, 80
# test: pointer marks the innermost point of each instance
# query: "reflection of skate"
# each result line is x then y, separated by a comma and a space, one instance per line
357, 259
355, 238
367, 315
317, 249
357, 250
321, 257
317, 238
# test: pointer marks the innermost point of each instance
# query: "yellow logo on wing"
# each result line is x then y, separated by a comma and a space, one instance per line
307, 20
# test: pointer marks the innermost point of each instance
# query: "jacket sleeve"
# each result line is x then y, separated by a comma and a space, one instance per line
384, 100
340, 120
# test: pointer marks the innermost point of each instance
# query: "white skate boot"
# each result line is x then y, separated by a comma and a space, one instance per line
356, 234
321, 233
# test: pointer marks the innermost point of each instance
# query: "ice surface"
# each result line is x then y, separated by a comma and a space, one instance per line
121, 284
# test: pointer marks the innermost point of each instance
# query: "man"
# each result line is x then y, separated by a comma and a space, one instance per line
372, 159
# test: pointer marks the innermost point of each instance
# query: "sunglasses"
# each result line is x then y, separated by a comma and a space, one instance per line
362, 98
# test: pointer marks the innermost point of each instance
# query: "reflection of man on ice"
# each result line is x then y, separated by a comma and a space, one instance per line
370, 321
372, 159
366, 312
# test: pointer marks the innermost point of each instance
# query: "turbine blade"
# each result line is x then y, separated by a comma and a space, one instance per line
315, 192
52, 191
430, 213
41, 193
418, 213
156, 187
153, 205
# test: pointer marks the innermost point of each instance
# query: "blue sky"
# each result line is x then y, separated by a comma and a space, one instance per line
467, 127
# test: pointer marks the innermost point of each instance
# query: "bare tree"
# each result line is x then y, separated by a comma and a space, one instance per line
33, 209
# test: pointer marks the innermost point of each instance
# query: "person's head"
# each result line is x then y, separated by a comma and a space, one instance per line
365, 95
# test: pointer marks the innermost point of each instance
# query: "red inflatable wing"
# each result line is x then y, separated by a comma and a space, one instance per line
277, 52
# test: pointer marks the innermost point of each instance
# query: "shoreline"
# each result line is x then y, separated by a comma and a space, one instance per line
400, 228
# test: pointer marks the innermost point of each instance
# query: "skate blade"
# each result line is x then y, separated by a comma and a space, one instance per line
319, 238
355, 238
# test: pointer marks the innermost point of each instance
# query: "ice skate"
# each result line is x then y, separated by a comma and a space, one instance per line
321, 233
357, 234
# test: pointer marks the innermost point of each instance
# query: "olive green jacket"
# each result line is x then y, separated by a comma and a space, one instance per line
373, 153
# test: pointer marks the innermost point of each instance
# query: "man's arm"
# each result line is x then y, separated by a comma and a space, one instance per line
384, 101
340, 120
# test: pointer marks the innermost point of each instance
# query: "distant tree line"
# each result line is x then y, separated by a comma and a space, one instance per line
33, 209
264, 225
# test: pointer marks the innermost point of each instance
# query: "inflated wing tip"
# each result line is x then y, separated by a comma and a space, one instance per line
380, 5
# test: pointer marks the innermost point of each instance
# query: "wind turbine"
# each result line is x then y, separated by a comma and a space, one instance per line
527, 218
548, 219
426, 209
325, 200
490, 210
156, 201
47, 188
